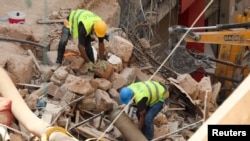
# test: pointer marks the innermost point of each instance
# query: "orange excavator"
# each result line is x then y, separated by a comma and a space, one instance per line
233, 49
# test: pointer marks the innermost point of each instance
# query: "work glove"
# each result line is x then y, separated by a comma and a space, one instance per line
102, 64
91, 66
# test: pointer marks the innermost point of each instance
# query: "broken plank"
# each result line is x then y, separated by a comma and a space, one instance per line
176, 109
77, 117
146, 67
28, 85
89, 132
42, 90
34, 59
47, 117
226, 113
216, 89
41, 21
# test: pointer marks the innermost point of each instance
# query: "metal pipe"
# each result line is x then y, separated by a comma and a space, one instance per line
126, 126
22, 41
81, 123
222, 26
201, 28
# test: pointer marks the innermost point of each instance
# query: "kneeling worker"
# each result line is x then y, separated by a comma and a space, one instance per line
149, 97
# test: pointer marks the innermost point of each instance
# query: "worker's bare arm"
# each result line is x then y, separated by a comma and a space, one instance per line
19, 108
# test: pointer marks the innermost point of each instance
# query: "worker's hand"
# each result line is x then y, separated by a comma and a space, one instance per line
103, 64
91, 66
165, 107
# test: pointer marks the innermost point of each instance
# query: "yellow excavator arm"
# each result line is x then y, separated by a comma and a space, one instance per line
238, 36
233, 34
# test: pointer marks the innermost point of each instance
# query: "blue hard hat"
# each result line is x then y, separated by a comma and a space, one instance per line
126, 95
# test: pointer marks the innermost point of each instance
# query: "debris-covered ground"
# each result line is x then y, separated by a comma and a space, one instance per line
77, 99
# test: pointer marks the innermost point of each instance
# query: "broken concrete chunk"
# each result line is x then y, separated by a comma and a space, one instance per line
46, 73
103, 101
88, 104
53, 108
61, 73
115, 95
145, 43
159, 78
121, 48
68, 96
74, 62
19, 31
102, 83
56, 91
31, 101
7, 49
140, 76
116, 62
47, 117
103, 70
173, 126
55, 80
54, 44
52, 55
129, 74
161, 131
190, 85
117, 80
81, 87
71, 78
21, 67
160, 119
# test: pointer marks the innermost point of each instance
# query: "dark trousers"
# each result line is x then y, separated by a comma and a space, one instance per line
151, 112
89, 49
62, 44
64, 40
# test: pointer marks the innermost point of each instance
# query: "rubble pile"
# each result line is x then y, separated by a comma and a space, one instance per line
71, 94
80, 100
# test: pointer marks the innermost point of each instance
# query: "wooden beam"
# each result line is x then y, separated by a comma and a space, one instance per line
34, 59
29, 85
47, 21
89, 132
230, 112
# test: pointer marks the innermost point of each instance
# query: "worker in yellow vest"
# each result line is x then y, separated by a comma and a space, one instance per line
149, 97
81, 24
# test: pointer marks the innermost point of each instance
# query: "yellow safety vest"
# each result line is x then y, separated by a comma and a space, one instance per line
88, 19
153, 90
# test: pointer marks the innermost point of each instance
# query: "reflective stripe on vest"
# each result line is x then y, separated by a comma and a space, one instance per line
157, 90
150, 92
150, 89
